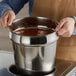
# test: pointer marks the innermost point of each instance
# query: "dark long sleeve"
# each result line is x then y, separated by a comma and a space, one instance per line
14, 5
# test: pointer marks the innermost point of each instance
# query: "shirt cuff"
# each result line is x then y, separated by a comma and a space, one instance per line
3, 8
74, 17
74, 32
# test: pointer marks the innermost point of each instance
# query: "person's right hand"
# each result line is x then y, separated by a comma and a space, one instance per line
7, 18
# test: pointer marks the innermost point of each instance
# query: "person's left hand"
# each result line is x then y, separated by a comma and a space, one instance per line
65, 27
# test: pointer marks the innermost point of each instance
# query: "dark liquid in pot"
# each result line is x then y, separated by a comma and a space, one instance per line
33, 31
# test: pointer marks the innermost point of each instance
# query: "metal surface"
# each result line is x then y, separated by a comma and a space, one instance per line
34, 53
35, 58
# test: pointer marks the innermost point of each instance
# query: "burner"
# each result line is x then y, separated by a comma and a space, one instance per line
20, 72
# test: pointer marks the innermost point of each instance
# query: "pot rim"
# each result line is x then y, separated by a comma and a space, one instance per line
44, 38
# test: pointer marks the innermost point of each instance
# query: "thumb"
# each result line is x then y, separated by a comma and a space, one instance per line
10, 20
60, 25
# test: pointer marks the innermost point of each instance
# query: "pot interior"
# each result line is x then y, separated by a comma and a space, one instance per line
33, 26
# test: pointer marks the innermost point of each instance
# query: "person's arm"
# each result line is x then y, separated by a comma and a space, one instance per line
14, 5
8, 9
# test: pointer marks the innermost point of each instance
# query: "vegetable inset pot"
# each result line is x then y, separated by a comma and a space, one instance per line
34, 43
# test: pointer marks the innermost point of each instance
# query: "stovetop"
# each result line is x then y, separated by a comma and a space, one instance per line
63, 68
5, 72
69, 72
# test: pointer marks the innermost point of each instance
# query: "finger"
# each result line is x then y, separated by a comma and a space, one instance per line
0, 22
66, 35
61, 31
4, 20
10, 20
60, 25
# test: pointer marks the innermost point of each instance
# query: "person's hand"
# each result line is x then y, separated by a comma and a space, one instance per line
7, 18
65, 27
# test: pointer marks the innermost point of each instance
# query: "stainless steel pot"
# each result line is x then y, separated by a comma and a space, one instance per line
34, 53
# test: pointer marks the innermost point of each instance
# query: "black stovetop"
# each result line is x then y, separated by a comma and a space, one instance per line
5, 72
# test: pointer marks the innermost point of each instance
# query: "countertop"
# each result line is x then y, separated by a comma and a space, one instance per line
64, 67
